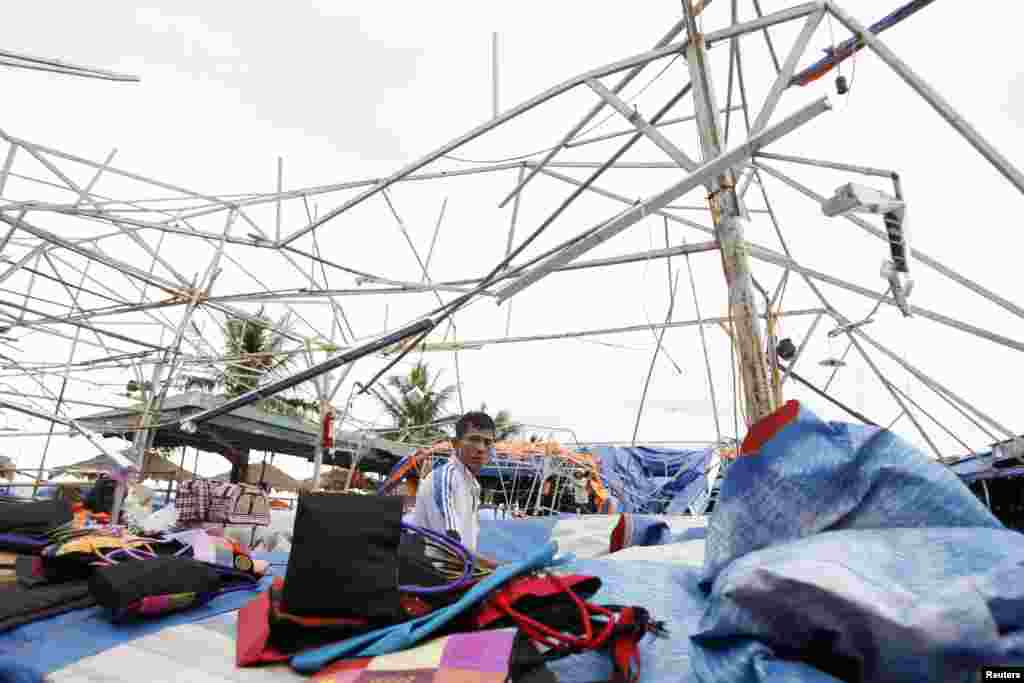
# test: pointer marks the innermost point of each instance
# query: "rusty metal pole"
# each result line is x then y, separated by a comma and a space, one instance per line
730, 219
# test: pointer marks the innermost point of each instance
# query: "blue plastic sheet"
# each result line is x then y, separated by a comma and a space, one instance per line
650, 480
841, 548
585, 536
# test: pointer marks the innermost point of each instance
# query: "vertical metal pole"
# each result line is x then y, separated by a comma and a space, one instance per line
6, 170
988, 499
280, 181
729, 217
494, 74
318, 452
508, 246
64, 384
145, 436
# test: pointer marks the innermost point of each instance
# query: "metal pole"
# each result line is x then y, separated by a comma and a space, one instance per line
280, 189
931, 96
654, 358
508, 245
923, 258
6, 170
727, 213
494, 75
923, 377
717, 165
576, 129
63, 387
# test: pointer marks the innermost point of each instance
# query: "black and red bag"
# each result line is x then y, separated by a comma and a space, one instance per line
554, 614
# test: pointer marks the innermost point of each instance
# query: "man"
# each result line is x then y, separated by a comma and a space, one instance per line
448, 499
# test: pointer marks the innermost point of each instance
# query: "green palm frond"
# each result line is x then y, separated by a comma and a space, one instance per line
413, 416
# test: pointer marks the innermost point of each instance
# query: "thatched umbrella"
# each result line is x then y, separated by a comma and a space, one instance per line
6, 468
334, 480
272, 476
154, 466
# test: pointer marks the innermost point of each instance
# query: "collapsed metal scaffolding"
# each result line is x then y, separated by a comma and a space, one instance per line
139, 280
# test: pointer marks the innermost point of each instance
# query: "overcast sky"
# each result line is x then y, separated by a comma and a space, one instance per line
347, 91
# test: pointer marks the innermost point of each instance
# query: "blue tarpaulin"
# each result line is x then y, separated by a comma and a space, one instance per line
839, 550
653, 480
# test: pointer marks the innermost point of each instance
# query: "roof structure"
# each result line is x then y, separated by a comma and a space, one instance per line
111, 275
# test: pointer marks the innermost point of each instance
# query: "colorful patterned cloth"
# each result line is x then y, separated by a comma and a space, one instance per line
155, 605
200, 500
480, 657
217, 502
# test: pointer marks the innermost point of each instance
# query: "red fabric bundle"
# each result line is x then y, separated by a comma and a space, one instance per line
255, 644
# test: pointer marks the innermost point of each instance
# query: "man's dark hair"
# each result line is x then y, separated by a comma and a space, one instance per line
473, 420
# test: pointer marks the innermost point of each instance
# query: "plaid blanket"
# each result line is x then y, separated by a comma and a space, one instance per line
200, 500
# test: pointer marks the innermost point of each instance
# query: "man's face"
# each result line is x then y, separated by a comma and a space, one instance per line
474, 449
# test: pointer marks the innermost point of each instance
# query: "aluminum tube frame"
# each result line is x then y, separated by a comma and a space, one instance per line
712, 169
767, 256
922, 377
94, 439
643, 126
931, 96
645, 327
852, 168
600, 72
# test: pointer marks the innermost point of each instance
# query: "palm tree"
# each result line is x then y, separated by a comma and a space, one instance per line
254, 348
504, 427
415, 404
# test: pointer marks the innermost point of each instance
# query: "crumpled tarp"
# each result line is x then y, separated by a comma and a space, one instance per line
653, 480
840, 552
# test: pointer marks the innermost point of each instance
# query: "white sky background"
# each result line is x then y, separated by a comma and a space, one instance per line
346, 91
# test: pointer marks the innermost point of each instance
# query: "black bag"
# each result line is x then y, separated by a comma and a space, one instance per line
36, 517
119, 586
344, 557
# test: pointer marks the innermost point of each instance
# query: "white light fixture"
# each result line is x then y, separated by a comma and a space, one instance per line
854, 198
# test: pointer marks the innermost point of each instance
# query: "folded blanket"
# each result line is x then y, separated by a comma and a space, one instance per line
21, 605
22, 543
37, 516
